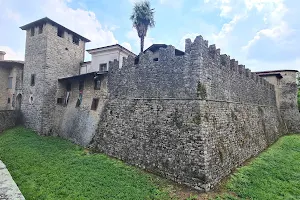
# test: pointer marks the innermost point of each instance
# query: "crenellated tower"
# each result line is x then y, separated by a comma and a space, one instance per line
52, 51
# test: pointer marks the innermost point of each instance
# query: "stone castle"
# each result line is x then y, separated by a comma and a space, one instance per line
190, 116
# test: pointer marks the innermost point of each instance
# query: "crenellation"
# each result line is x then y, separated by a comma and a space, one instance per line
212, 51
188, 44
241, 70
206, 43
248, 73
225, 61
232, 63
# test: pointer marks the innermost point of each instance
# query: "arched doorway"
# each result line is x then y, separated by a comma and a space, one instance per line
18, 102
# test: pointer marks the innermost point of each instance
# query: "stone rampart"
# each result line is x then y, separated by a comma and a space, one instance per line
8, 119
191, 118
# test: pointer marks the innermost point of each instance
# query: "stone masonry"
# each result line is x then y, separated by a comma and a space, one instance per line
190, 117
47, 57
8, 119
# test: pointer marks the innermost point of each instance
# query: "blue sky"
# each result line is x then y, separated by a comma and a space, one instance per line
262, 34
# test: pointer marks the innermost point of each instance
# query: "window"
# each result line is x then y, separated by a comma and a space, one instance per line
32, 31
278, 81
32, 81
10, 79
60, 32
81, 85
103, 67
97, 84
40, 29
155, 59
95, 103
8, 100
69, 87
60, 100
75, 40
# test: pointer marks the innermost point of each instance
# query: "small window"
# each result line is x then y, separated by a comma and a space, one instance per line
75, 40
81, 85
60, 32
97, 84
103, 67
8, 100
32, 31
155, 59
40, 29
69, 87
10, 79
32, 81
60, 100
95, 103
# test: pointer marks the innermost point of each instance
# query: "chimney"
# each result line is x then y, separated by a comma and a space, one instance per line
2, 53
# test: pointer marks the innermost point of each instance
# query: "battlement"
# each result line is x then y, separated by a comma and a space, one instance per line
163, 73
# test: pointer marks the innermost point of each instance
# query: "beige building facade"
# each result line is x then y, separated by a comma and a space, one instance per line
11, 76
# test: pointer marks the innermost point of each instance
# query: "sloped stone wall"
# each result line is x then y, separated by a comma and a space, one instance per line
191, 118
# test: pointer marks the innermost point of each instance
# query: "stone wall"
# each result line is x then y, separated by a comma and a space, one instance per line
79, 124
4, 73
288, 91
191, 118
8, 119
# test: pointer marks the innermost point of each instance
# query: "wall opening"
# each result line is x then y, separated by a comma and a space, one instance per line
103, 67
60, 100
32, 80
32, 31
97, 84
95, 103
75, 40
10, 79
40, 29
60, 32
18, 102
8, 100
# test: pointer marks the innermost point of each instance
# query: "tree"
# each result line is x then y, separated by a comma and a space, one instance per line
142, 19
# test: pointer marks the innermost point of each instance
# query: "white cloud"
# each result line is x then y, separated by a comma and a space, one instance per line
277, 29
12, 15
172, 3
126, 45
81, 21
11, 54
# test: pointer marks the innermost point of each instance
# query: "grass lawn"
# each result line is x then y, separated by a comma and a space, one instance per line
52, 168
275, 174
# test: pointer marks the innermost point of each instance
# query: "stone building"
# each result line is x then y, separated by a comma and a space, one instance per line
286, 95
11, 79
101, 57
52, 51
190, 116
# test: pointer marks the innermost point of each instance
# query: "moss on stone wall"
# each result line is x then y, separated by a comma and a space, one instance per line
201, 91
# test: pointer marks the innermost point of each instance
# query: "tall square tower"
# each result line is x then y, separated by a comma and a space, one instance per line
52, 51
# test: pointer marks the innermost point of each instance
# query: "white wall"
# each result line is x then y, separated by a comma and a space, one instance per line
102, 58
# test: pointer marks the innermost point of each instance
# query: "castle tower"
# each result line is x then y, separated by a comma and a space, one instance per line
285, 82
52, 51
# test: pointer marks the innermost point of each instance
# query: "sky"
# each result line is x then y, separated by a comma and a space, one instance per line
261, 34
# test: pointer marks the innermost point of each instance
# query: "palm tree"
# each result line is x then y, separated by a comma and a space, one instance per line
142, 19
